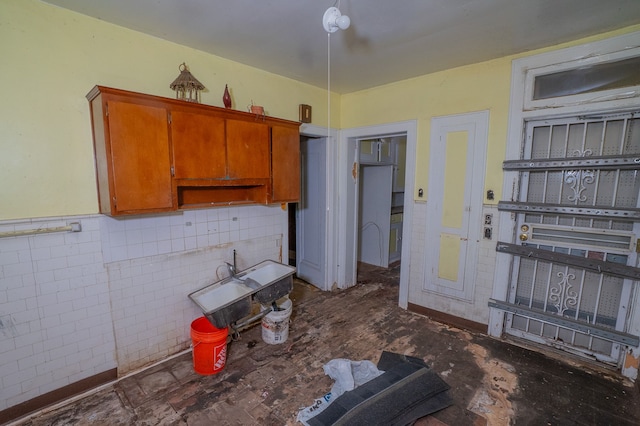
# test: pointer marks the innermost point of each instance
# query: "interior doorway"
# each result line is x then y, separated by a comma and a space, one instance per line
381, 188
340, 226
348, 200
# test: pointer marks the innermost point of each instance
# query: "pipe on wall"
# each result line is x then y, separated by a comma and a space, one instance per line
72, 227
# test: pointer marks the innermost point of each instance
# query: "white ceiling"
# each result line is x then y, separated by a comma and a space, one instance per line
389, 40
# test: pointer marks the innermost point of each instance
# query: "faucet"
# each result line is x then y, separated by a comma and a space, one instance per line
249, 282
231, 269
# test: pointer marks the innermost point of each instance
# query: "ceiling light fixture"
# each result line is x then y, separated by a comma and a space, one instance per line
333, 20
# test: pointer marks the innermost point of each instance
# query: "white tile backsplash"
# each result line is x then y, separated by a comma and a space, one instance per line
73, 305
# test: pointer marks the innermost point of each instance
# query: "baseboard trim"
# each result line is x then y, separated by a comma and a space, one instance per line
55, 396
448, 319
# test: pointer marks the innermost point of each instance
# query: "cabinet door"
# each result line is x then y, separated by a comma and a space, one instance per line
386, 151
247, 150
368, 151
400, 165
395, 240
285, 164
140, 162
198, 145
376, 151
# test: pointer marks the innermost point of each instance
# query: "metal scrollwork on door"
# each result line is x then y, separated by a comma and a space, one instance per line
579, 179
562, 297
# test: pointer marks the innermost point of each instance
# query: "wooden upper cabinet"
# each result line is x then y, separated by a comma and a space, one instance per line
198, 145
133, 164
141, 171
285, 164
156, 154
247, 149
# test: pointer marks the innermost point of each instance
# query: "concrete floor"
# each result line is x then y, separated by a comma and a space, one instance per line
492, 382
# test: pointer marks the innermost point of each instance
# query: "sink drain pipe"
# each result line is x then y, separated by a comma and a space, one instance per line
239, 326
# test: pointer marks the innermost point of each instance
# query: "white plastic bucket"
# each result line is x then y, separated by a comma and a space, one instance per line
275, 325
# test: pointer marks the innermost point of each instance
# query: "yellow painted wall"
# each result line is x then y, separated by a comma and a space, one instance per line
483, 86
52, 57
476, 87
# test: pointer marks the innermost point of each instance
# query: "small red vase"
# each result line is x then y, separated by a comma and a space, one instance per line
226, 98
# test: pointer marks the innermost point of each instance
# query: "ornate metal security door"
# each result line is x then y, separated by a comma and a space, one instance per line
575, 260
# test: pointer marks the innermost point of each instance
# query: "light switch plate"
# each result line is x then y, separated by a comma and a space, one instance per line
305, 113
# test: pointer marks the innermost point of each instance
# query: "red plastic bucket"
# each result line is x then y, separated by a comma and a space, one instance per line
209, 346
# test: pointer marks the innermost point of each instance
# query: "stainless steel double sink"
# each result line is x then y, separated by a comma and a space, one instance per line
229, 300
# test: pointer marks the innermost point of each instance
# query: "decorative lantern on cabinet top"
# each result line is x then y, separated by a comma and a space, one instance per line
187, 87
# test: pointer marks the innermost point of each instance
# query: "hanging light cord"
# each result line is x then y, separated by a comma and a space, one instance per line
328, 85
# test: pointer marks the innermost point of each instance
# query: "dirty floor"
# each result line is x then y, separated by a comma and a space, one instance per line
492, 382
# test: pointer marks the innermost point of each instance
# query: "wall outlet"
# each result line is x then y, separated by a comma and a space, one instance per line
487, 233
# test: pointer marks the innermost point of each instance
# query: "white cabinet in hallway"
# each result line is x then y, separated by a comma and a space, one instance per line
395, 238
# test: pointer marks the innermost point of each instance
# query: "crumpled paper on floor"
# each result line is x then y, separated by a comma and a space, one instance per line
347, 375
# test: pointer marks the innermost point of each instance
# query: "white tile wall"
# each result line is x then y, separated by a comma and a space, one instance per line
73, 305
418, 247
50, 308
152, 313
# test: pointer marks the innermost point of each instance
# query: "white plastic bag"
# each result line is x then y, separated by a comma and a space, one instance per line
348, 375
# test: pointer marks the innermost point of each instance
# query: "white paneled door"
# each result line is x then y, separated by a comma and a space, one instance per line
454, 203
311, 214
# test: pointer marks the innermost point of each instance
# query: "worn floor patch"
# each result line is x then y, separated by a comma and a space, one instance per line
492, 399
491, 382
